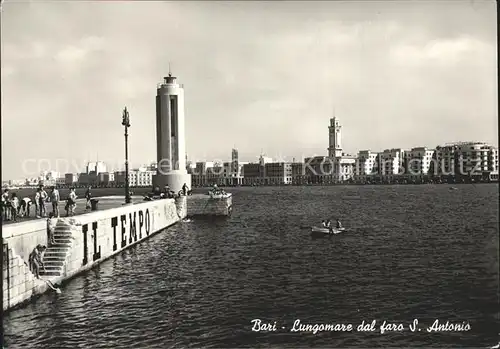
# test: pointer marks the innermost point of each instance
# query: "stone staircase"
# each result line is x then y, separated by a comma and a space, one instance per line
56, 254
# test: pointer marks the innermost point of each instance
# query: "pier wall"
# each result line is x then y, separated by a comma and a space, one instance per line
23, 237
92, 238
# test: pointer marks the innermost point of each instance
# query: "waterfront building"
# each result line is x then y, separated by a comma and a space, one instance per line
218, 173
253, 173
278, 173
33, 181
191, 168
120, 179
298, 172
466, 159
318, 166
335, 138
234, 160
71, 179
366, 165
144, 176
96, 167
317, 170
170, 138
236, 168
343, 165
265, 159
48, 178
199, 173
209, 173
139, 177
86, 179
103, 179
419, 162
392, 163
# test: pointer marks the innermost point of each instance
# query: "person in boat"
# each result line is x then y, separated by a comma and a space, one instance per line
329, 226
323, 223
339, 225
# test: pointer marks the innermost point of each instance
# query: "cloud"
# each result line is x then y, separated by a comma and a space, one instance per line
72, 55
445, 52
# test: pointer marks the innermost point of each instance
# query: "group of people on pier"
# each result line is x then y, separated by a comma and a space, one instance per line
167, 193
13, 208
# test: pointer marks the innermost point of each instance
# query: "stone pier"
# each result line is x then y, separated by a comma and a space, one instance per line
86, 240
204, 205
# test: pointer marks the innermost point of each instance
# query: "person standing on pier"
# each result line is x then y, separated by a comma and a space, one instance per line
40, 198
51, 227
24, 208
55, 198
38, 210
71, 205
14, 203
88, 196
6, 205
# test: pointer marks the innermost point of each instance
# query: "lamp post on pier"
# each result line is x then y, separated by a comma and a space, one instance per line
126, 124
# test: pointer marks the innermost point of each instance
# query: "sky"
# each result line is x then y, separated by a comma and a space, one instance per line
258, 76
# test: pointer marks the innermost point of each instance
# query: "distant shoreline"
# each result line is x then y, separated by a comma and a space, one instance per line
269, 185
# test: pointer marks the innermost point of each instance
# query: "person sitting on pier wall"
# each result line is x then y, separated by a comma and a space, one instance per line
36, 260
168, 193
55, 198
24, 207
156, 191
185, 189
51, 227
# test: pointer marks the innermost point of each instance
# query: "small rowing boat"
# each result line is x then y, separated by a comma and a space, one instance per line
323, 230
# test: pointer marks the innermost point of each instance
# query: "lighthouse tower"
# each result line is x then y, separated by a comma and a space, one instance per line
170, 139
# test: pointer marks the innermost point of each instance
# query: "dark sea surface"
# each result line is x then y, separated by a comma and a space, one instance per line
423, 252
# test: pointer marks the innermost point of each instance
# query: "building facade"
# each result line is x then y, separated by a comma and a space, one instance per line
466, 159
366, 164
419, 162
392, 162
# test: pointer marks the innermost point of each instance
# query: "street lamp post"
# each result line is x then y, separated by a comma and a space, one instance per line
126, 124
